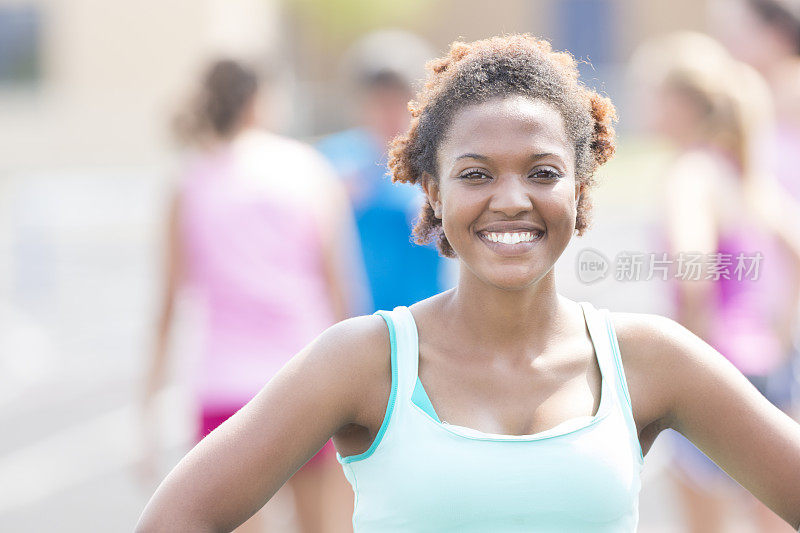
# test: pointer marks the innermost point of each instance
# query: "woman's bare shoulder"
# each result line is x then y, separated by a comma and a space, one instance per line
359, 332
650, 346
642, 332
358, 343
355, 355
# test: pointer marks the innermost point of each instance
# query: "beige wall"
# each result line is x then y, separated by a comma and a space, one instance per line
646, 18
113, 70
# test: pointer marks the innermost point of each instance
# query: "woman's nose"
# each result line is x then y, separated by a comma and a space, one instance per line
511, 197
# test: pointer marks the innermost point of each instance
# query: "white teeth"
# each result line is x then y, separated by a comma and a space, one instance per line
512, 238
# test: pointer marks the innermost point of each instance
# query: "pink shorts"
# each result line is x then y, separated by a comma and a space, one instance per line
211, 417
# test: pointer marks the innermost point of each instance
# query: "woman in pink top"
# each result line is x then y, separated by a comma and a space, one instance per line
255, 235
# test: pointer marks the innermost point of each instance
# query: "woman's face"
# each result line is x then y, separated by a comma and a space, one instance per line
506, 192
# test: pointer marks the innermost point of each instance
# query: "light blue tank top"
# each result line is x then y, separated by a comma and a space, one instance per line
421, 474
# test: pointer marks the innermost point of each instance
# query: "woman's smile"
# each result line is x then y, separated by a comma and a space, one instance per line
512, 243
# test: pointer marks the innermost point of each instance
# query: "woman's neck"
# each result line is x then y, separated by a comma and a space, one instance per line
495, 320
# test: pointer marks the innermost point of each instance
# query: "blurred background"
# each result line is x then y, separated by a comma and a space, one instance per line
89, 166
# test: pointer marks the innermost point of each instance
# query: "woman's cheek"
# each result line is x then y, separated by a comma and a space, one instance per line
559, 212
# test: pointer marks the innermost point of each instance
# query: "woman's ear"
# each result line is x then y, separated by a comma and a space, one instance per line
578, 192
431, 189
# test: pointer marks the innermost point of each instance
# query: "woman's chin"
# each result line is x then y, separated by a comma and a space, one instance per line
513, 281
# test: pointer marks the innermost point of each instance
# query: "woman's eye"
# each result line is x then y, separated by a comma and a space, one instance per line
473, 175
547, 174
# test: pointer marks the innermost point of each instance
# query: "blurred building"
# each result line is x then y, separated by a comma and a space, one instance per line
98, 78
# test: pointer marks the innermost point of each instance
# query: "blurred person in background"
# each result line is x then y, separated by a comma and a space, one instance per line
771, 44
384, 66
718, 199
255, 231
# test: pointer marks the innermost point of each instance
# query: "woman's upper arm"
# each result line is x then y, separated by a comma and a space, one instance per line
715, 406
232, 473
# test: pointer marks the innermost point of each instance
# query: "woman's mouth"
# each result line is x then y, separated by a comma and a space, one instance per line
513, 242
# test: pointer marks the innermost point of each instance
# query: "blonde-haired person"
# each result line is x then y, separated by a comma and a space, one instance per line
718, 199
498, 405
257, 233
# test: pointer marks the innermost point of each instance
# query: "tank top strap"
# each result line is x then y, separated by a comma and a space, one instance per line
601, 328
598, 330
404, 345
622, 383
407, 352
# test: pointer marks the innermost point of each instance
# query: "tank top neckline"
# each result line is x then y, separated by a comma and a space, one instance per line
571, 425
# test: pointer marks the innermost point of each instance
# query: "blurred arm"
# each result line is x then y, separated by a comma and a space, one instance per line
172, 272
336, 229
692, 228
780, 213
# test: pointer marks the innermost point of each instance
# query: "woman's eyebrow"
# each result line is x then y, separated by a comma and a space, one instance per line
480, 157
545, 154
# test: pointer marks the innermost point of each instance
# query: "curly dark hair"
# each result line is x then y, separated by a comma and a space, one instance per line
482, 70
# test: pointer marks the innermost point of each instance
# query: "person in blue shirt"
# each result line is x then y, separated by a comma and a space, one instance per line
385, 212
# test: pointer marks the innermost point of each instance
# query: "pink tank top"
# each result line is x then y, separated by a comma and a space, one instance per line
743, 328
253, 258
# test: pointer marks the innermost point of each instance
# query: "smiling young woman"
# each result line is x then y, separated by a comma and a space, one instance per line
499, 405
